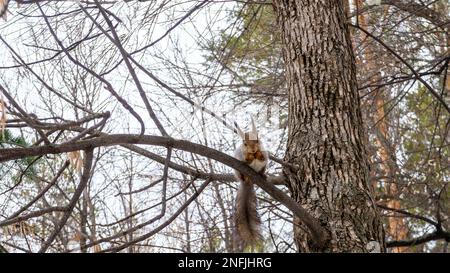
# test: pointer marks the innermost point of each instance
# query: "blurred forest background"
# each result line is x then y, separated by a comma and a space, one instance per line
66, 76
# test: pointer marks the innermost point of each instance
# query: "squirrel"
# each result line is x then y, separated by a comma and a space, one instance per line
252, 152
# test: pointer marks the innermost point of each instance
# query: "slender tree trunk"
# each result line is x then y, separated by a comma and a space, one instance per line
83, 222
444, 8
396, 227
187, 226
325, 128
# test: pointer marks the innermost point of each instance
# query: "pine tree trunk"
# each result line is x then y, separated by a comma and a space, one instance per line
386, 162
325, 128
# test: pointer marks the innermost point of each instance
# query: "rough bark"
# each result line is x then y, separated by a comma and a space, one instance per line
325, 128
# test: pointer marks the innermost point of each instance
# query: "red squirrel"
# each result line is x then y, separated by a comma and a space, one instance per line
252, 152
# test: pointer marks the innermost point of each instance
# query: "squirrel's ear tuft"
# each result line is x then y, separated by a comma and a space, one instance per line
254, 130
241, 134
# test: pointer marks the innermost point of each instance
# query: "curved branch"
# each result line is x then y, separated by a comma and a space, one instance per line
437, 235
318, 233
412, 215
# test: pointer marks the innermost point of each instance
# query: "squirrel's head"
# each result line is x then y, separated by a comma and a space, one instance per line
250, 139
251, 143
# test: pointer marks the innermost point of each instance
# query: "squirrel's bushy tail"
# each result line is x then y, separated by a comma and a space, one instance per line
246, 218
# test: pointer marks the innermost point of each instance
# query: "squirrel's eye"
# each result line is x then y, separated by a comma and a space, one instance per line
245, 144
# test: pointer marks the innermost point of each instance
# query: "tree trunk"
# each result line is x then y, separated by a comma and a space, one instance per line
83, 222
325, 128
386, 160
